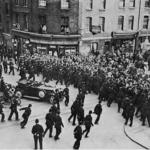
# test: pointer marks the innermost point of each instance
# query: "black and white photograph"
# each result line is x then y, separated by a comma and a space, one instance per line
74, 74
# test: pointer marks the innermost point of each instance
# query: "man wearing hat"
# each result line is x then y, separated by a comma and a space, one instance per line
25, 115
98, 111
88, 124
37, 131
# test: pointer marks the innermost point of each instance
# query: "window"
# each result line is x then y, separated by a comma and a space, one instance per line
147, 3
42, 19
90, 4
0, 18
25, 18
64, 4
132, 3
7, 27
122, 3
7, 8
102, 4
17, 18
16, 2
102, 23
145, 22
120, 22
42, 3
64, 25
25, 2
94, 47
131, 22
89, 24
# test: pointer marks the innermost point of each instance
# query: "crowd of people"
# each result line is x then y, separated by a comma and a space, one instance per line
118, 77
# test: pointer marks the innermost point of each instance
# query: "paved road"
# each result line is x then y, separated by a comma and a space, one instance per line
108, 134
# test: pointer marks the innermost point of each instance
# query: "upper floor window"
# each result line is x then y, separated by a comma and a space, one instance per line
89, 24
16, 2
64, 25
145, 22
147, 3
0, 18
132, 3
25, 18
90, 4
17, 18
121, 3
120, 22
7, 8
25, 2
42, 3
102, 23
64, 4
131, 22
102, 4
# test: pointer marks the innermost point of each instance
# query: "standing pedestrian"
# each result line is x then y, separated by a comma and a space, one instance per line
37, 131
98, 111
58, 125
49, 122
1, 112
25, 115
13, 109
77, 136
88, 124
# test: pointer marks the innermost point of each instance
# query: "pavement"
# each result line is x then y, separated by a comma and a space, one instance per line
110, 133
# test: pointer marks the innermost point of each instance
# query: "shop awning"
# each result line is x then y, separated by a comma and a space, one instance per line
124, 35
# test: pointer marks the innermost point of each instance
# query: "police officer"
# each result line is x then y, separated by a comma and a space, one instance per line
77, 136
5, 65
56, 99
80, 115
74, 110
130, 114
37, 131
66, 94
25, 115
1, 112
58, 125
49, 122
13, 109
98, 111
88, 123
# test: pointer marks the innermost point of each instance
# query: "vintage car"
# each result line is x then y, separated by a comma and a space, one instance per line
38, 90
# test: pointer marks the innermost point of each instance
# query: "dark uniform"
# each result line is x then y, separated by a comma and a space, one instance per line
5, 65
11, 67
98, 111
66, 94
49, 123
1, 112
88, 123
25, 115
80, 115
37, 131
74, 110
13, 108
130, 110
58, 125
77, 136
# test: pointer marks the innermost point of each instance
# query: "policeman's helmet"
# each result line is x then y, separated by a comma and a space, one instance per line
36, 120
29, 105
90, 112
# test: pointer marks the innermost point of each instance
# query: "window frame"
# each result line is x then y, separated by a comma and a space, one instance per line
41, 2
131, 20
102, 23
65, 4
25, 3
122, 3
146, 22
89, 24
122, 23
17, 2
133, 3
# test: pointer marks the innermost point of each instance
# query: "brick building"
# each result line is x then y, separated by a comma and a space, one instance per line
48, 25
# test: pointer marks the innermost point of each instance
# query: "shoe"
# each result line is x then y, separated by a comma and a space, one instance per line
22, 127
9, 119
17, 119
96, 123
68, 120
73, 124
86, 136
130, 125
50, 136
2, 120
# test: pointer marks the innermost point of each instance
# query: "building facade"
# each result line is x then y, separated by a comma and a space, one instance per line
48, 25
113, 22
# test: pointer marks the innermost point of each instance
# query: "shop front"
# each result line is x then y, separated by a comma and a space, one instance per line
95, 44
125, 40
50, 44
